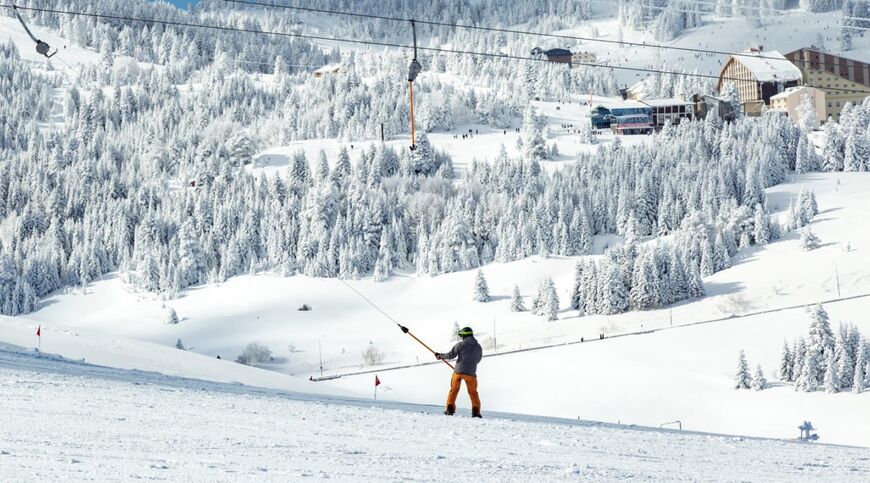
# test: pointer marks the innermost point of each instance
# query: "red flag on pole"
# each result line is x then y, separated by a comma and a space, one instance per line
377, 381
39, 331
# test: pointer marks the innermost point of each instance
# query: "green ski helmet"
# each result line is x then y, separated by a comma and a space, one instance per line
465, 332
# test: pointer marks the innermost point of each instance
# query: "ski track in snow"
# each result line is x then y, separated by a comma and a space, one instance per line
74, 421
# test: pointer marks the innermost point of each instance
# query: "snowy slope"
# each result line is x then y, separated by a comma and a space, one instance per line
68, 55
782, 32
684, 374
19, 336
484, 146
64, 421
221, 319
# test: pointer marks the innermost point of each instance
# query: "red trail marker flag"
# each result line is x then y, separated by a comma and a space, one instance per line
377, 383
39, 331
39, 337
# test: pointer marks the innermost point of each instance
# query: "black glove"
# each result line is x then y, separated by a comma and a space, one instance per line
404, 329
438, 356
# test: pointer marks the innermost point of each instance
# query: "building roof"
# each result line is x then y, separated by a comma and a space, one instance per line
639, 88
328, 69
666, 102
768, 66
557, 52
794, 90
620, 104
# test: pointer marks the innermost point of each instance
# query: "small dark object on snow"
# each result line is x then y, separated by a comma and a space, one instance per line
805, 428
601, 336
304, 308
218, 356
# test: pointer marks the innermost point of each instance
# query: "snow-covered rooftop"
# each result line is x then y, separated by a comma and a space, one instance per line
328, 69
620, 104
665, 102
792, 90
769, 66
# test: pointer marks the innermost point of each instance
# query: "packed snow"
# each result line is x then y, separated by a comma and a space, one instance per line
71, 421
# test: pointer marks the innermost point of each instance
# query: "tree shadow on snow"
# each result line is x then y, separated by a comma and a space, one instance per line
496, 298
722, 288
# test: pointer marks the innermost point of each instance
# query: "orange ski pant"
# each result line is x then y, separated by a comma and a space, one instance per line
470, 384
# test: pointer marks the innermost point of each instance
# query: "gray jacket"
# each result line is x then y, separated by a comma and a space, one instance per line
469, 354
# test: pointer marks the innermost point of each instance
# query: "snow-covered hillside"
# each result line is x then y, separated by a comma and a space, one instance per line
150, 360
64, 420
200, 229
686, 374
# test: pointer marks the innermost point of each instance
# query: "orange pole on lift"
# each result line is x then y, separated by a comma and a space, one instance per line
413, 70
405, 330
413, 138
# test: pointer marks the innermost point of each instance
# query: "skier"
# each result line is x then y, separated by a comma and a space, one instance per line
468, 354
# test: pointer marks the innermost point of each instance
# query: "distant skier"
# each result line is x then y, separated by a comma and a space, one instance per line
468, 354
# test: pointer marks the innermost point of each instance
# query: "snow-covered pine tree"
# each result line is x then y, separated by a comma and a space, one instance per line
866, 364
517, 304
807, 161
742, 378
587, 134
454, 335
550, 306
809, 240
707, 266
384, 263
577, 290
535, 148
786, 363
832, 377
821, 338
759, 382
721, 257
812, 370
760, 226
171, 316
807, 119
645, 284
860, 375
539, 301
845, 366
731, 95
798, 355
613, 296
481, 290
834, 147
696, 283
809, 206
